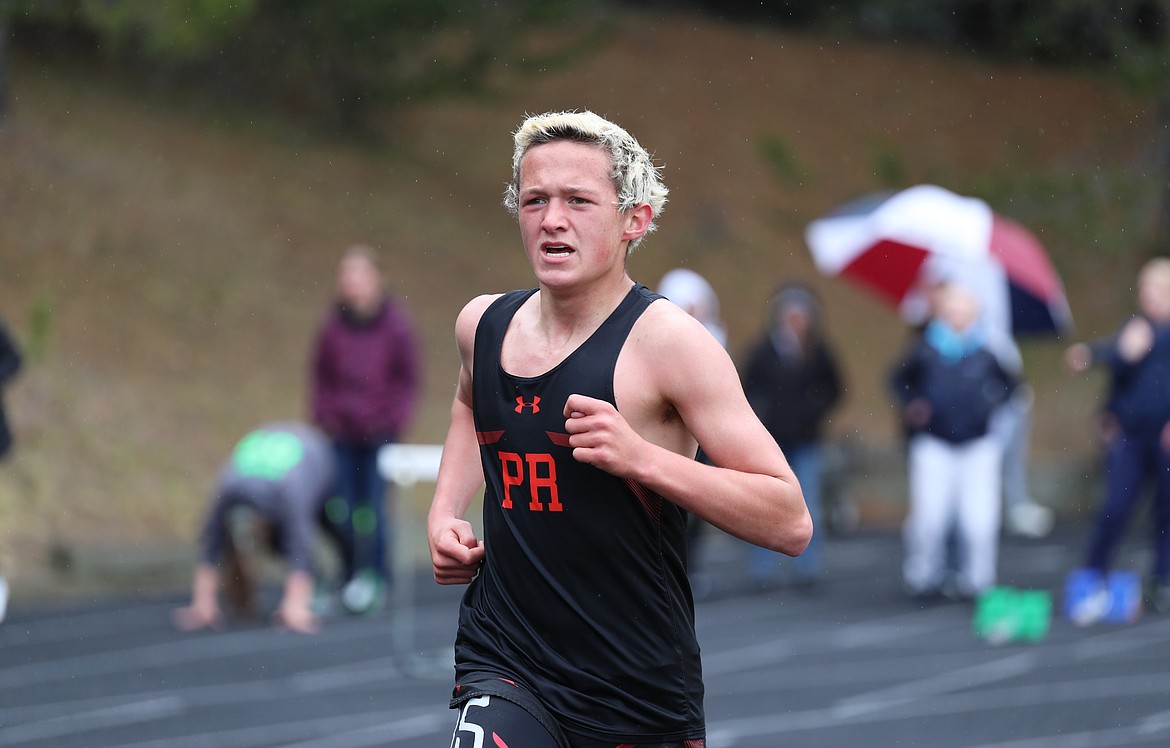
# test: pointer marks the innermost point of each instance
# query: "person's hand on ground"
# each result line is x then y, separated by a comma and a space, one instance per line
295, 612
297, 618
194, 617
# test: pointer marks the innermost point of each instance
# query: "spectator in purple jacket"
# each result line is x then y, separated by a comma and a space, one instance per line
365, 384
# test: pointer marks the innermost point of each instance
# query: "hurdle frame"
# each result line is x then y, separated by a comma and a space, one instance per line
404, 466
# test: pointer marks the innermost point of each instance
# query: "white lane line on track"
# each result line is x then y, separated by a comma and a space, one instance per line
945, 682
1159, 722
349, 731
1113, 736
1122, 639
334, 677
64, 627
71, 724
386, 733
856, 636
850, 636
738, 660
731, 732
174, 652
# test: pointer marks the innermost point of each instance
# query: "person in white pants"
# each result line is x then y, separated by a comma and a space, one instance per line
953, 484
1012, 422
949, 385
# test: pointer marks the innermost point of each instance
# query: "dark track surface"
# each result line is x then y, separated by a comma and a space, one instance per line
851, 662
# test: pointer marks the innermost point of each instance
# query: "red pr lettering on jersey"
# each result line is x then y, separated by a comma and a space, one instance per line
512, 472
537, 481
537, 471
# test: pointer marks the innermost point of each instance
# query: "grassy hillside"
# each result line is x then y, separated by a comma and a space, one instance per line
165, 262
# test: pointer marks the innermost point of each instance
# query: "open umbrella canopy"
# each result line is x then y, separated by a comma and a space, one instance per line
893, 242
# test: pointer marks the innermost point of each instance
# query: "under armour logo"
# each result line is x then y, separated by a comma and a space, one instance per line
521, 405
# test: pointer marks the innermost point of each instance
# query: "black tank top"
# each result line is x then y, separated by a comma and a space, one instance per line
583, 596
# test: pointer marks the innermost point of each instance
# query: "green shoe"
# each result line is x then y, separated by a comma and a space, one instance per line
365, 593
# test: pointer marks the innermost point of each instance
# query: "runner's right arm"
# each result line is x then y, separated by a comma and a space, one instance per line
456, 553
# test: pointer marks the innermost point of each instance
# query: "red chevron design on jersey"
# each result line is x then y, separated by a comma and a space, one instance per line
561, 440
488, 437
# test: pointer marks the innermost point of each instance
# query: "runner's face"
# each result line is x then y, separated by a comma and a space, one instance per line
569, 221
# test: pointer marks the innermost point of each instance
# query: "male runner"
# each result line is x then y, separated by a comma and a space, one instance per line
583, 402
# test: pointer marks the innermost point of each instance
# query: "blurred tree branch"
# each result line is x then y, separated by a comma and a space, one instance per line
334, 60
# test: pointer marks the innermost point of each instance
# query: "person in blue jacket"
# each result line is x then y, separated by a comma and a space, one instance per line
948, 386
1136, 427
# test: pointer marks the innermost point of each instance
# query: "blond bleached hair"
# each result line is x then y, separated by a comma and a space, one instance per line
632, 169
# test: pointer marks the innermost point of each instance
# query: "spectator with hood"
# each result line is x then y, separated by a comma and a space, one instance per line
792, 381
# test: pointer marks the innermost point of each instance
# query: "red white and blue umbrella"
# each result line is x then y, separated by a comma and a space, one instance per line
891, 242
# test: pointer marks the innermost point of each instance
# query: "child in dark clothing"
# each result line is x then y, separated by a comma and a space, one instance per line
1136, 426
948, 386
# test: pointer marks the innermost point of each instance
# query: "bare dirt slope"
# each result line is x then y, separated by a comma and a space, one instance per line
166, 264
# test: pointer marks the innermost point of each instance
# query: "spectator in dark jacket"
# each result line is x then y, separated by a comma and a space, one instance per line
9, 365
365, 386
792, 382
1136, 427
948, 386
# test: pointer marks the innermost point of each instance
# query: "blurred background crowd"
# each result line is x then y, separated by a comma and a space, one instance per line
178, 181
